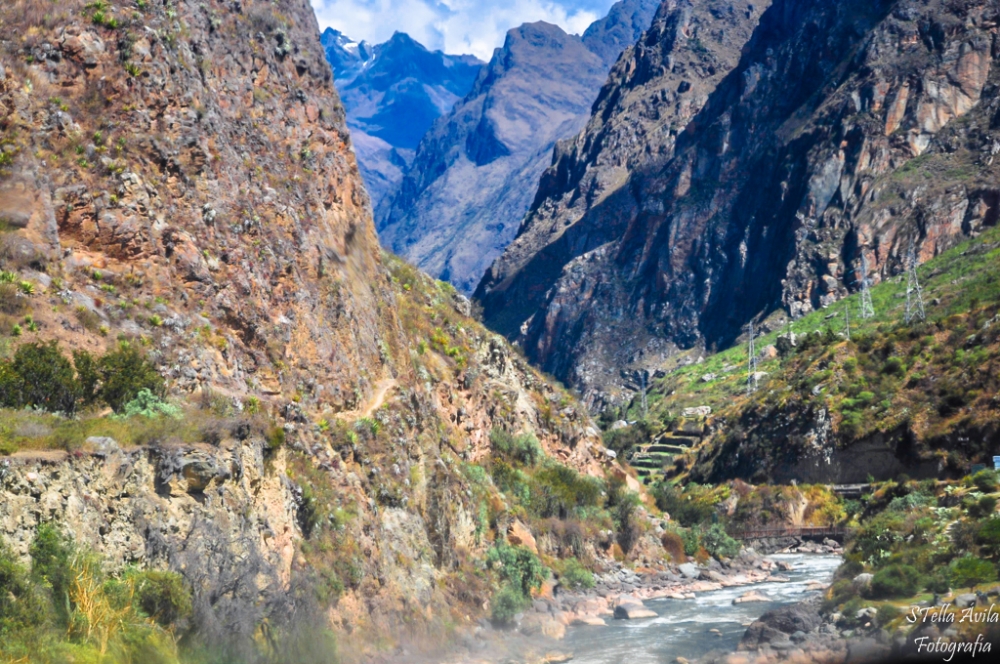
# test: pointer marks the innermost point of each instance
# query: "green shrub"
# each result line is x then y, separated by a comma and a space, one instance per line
21, 606
719, 544
841, 591
938, 583
87, 375
681, 508
523, 449
895, 581
50, 561
988, 537
555, 490
985, 480
968, 571
518, 566
163, 596
124, 373
506, 604
886, 614
692, 542
41, 377
575, 576
147, 404
894, 366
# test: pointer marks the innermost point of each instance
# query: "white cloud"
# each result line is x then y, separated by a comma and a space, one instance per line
454, 26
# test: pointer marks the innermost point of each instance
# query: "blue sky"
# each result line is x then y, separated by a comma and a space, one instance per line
454, 26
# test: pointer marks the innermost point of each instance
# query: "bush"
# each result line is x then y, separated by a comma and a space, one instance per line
895, 581
938, 583
147, 404
21, 607
692, 543
673, 544
41, 377
681, 508
518, 566
719, 544
50, 561
555, 490
11, 302
163, 596
886, 614
523, 449
124, 373
575, 576
968, 571
985, 480
506, 604
988, 537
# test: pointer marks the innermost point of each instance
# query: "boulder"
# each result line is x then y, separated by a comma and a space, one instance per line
752, 596
689, 570
519, 535
862, 581
632, 610
965, 600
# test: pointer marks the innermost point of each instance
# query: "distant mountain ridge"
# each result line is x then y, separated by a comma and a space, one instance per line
476, 171
393, 92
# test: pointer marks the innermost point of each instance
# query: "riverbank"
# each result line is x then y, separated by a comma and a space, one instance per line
802, 633
680, 610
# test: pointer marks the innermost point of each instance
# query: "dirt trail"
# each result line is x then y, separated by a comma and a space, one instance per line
382, 389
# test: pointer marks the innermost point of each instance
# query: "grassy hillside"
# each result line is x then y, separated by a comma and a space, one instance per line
933, 381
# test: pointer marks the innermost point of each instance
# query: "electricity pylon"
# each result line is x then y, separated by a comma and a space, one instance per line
752, 363
914, 294
867, 308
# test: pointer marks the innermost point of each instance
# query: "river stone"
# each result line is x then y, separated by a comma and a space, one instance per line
862, 581
632, 611
689, 570
751, 596
965, 601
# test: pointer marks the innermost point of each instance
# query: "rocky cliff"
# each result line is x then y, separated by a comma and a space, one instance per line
476, 170
393, 93
771, 173
180, 178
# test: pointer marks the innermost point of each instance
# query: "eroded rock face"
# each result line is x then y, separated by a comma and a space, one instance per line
155, 507
184, 181
713, 184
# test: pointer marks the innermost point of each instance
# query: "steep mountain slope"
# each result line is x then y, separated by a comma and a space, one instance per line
475, 171
888, 397
794, 169
177, 183
393, 93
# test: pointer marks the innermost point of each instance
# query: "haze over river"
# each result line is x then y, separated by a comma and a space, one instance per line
682, 628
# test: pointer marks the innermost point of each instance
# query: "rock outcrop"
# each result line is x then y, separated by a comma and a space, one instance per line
476, 170
182, 179
718, 181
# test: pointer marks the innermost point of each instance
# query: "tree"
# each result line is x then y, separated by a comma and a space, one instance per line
41, 377
124, 373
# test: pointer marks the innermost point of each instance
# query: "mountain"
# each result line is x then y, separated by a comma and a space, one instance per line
746, 160
393, 93
475, 171
219, 390
348, 58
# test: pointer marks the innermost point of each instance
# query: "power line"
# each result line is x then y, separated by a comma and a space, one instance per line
914, 294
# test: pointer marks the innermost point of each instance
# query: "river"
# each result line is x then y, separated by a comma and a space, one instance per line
682, 628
